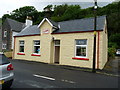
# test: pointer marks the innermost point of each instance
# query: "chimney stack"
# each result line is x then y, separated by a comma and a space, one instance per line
29, 21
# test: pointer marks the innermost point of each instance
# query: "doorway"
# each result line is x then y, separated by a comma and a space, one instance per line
57, 51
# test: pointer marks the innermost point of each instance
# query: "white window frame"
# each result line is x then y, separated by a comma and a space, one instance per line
81, 46
3, 46
35, 46
21, 45
5, 33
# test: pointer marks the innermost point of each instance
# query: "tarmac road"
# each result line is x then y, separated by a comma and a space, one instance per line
39, 75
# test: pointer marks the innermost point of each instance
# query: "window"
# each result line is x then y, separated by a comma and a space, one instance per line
81, 46
57, 42
37, 47
3, 59
5, 33
21, 44
4, 46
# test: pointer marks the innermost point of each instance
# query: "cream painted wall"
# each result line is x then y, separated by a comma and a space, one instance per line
28, 48
67, 49
104, 47
45, 46
46, 41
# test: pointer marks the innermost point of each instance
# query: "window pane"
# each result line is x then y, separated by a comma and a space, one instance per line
83, 51
57, 42
36, 42
81, 42
37, 49
80, 51
21, 42
21, 48
3, 59
5, 33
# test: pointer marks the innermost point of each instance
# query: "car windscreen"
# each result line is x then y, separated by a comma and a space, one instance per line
3, 59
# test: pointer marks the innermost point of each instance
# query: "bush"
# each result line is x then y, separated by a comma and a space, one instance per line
111, 52
113, 44
115, 38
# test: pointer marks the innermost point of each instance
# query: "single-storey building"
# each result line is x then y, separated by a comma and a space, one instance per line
66, 43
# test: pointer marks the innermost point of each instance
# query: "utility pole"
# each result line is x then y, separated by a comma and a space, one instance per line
94, 47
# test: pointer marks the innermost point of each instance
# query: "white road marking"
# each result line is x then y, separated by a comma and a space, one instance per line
67, 81
44, 77
35, 85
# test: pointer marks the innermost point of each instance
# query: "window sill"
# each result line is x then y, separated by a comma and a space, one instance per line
86, 59
35, 55
20, 53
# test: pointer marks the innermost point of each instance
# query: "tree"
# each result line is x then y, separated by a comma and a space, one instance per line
21, 13
48, 8
72, 12
60, 10
66, 12
48, 11
4, 17
115, 38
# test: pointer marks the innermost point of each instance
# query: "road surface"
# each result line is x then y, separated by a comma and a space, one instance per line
39, 75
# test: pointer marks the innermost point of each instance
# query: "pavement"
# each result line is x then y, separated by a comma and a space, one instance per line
112, 67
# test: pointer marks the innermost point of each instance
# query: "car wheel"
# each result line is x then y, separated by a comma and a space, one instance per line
7, 85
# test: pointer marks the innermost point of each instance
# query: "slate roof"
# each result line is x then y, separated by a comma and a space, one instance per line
53, 23
30, 30
15, 25
86, 24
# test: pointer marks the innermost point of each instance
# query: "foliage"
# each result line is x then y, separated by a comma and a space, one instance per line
111, 52
4, 17
112, 44
66, 12
112, 49
21, 14
48, 8
71, 12
60, 10
115, 38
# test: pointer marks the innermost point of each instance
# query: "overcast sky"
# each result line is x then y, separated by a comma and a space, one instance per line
7, 6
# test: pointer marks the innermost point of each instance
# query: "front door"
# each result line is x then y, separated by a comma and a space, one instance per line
57, 51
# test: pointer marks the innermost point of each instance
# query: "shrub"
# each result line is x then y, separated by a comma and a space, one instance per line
111, 52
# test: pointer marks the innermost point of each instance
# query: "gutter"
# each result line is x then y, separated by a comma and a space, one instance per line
28, 35
75, 32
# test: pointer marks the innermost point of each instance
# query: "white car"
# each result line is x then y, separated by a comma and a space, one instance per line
118, 52
6, 72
